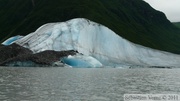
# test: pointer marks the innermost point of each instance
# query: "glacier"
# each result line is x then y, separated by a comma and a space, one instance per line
95, 40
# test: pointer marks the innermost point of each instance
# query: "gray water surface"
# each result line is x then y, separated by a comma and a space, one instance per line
90, 84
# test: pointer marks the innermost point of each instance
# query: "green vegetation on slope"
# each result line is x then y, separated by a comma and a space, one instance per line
177, 24
134, 20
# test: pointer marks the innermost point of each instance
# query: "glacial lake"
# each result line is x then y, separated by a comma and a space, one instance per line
85, 84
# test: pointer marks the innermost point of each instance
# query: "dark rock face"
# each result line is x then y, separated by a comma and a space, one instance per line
12, 51
47, 57
1, 45
15, 54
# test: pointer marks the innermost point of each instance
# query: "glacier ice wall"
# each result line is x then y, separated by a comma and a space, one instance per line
98, 41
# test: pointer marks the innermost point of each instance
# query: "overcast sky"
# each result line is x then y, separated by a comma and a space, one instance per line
170, 7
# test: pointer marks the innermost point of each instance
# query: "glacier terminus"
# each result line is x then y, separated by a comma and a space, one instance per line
98, 44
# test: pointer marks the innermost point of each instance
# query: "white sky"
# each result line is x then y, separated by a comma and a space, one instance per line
171, 8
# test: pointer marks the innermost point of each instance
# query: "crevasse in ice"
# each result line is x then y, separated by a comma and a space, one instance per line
98, 41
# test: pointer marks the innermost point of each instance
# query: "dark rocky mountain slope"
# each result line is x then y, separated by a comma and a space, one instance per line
134, 20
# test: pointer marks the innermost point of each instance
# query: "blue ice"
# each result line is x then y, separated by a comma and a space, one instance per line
11, 40
81, 61
76, 63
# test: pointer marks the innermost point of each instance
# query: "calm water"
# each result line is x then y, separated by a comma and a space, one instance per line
72, 84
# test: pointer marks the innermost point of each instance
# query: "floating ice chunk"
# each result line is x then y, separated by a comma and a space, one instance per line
11, 40
81, 61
